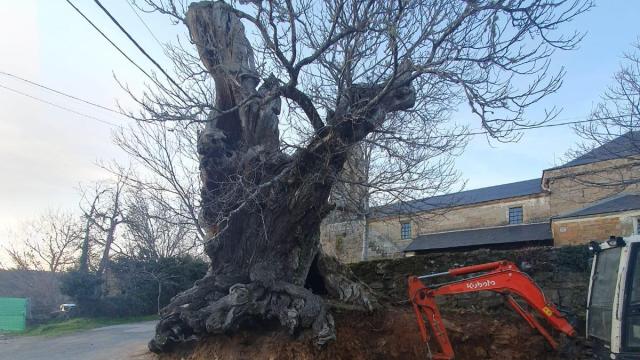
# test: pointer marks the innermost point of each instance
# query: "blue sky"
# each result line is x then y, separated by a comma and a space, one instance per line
46, 152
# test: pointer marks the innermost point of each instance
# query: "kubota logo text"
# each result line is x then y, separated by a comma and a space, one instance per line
480, 284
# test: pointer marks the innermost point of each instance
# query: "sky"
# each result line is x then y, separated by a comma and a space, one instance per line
46, 152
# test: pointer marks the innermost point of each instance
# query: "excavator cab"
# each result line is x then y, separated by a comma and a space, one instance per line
613, 304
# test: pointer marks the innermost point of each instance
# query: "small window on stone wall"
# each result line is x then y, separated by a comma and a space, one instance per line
405, 231
636, 226
515, 215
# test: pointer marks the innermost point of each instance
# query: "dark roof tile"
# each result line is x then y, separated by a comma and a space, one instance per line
497, 192
624, 202
479, 237
622, 146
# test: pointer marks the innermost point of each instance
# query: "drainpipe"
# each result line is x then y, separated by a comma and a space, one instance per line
365, 240
365, 233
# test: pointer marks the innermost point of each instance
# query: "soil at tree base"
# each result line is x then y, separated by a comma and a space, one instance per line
392, 334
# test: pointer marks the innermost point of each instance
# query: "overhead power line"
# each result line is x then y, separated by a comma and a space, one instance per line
64, 94
547, 125
59, 106
140, 48
109, 40
473, 133
133, 8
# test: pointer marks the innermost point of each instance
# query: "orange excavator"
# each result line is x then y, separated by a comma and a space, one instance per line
502, 277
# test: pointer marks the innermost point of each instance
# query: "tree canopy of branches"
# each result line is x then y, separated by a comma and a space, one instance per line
167, 158
310, 84
616, 116
103, 211
154, 232
49, 243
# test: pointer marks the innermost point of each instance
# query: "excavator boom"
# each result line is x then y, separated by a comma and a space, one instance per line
502, 277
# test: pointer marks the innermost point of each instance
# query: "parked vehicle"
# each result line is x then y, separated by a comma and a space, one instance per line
67, 307
613, 305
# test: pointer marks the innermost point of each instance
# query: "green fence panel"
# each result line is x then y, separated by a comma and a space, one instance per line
13, 314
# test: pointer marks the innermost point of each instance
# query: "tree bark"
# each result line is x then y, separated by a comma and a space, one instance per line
262, 209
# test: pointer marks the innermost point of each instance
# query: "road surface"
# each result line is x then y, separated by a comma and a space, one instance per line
118, 342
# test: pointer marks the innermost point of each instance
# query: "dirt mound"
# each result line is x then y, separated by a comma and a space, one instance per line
392, 334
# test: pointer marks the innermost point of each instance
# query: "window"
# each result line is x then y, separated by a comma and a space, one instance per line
636, 226
602, 290
631, 313
405, 231
515, 215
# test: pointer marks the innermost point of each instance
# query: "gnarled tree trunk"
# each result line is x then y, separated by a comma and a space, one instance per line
262, 208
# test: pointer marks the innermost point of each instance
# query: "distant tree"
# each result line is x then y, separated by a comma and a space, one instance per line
103, 211
138, 285
156, 281
153, 231
616, 116
50, 242
166, 158
85, 288
22, 259
91, 198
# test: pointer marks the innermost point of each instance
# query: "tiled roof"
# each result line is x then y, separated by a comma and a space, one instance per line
622, 146
480, 237
497, 192
624, 202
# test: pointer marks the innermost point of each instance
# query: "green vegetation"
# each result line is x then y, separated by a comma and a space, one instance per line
77, 324
139, 285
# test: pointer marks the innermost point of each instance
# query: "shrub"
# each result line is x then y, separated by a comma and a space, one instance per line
133, 286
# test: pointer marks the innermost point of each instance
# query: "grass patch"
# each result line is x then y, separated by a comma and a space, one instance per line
77, 324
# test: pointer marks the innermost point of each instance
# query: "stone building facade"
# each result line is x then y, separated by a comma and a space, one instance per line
590, 198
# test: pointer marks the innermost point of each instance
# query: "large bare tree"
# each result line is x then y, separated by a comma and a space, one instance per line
311, 82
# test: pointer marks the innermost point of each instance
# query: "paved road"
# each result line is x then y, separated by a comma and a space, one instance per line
119, 342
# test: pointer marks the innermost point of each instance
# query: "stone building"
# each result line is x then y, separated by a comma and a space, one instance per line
590, 198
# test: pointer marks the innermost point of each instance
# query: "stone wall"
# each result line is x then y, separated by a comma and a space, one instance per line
342, 240
598, 228
575, 187
488, 214
562, 273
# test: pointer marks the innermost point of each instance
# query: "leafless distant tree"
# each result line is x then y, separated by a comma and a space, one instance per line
103, 212
349, 73
91, 198
51, 243
615, 117
161, 279
22, 259
167, 161
153, 231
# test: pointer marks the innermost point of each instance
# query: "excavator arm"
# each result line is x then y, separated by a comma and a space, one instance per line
502, 277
